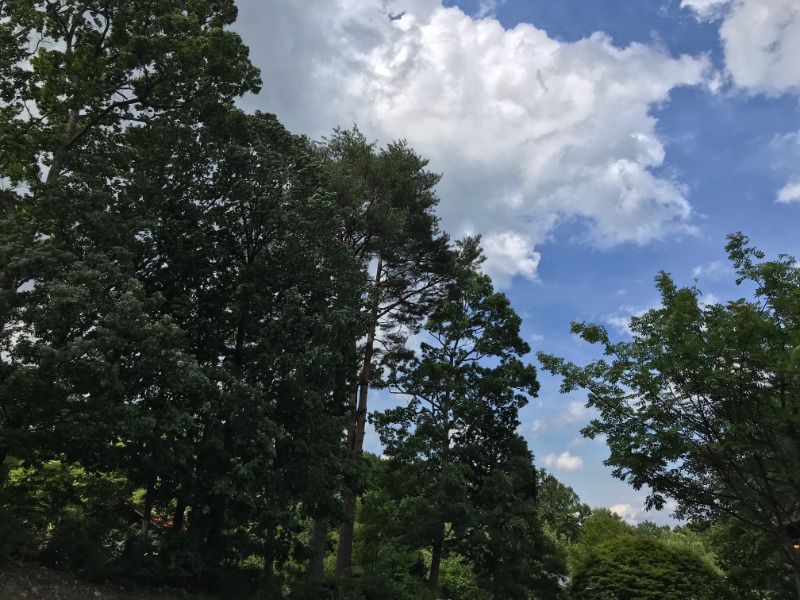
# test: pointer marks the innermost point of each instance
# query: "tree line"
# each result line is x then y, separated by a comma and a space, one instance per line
195, 304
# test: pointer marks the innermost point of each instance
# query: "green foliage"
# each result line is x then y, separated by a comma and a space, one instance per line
638, 567
66, 517
702, 405
561, 515
753, 569
602, 525
455, 461
560, 507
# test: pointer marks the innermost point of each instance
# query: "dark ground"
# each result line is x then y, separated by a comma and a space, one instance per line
33, 582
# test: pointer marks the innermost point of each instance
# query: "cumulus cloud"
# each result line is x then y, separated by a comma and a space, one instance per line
563, 462
576, 412
627, 512
529, 131
761, 39
789, 193
509, 254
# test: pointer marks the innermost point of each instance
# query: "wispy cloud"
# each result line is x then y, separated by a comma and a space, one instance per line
576, 412
488, 8
713, 271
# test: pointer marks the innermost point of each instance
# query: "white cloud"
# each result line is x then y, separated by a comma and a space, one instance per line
509, 254
529, 131
761, 40
563, 462
538, 426
762, 43
621, 319
784, 157
576, 412
789, 193
627, 512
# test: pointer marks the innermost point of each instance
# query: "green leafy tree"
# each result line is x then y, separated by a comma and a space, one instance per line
599, 527
457, 428
560, 507
269, 300
77, 78
738, 548
97, 64
702, 405
187, 324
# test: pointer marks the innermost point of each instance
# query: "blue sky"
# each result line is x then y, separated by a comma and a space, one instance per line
591, 143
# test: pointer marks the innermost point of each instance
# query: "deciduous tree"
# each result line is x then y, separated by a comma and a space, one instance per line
703, 404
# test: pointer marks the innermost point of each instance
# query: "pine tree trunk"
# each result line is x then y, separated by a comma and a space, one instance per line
355, 439
344, 554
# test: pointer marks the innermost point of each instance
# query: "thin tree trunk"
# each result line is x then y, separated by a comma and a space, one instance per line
794, 560
269, 563
215, 522
355, 438
316, 566
344, 554
436, 561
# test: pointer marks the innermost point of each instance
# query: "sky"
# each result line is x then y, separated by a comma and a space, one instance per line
591, 143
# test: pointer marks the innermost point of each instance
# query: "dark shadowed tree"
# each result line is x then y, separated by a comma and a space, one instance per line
455, 429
